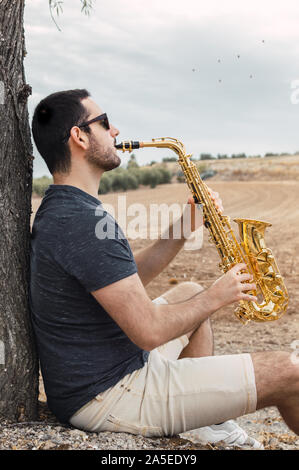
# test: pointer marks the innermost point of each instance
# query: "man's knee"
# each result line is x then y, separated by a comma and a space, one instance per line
276, 377
182, 292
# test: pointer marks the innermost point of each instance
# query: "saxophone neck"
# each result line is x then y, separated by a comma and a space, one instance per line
161, 142
189, 168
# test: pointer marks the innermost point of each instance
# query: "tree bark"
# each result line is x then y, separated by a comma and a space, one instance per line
18, 358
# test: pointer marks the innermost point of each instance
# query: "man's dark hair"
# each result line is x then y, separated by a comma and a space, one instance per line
52, 120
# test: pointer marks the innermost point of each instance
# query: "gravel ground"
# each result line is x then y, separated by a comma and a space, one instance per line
47, 434
268, 428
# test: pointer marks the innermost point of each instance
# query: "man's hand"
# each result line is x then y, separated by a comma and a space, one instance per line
196, 222
232, 286
216, 199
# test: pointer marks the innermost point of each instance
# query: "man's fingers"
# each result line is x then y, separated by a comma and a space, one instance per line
216, 199
238, 267
246, 286
249, 298
245, 277
191, 200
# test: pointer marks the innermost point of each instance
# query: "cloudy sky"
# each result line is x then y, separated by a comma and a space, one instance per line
217, 75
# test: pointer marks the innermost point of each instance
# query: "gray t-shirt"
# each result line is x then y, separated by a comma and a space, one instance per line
82, 350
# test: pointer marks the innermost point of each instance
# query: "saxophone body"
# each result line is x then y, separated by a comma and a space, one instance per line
251, 248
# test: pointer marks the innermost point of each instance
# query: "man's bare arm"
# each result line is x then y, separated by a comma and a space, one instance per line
152, 260
149, 325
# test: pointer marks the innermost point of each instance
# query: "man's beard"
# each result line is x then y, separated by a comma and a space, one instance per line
100, 157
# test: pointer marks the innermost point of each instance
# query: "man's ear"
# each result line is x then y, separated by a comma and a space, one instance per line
79, 138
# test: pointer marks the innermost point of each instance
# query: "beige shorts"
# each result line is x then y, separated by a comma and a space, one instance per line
169, 396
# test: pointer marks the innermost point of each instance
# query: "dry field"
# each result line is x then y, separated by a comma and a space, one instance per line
282, 168
270, 168
272, 201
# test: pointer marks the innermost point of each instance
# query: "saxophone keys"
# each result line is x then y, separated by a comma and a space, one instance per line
242, 315
222, 267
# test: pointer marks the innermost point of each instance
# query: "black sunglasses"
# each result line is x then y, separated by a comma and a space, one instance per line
102, 118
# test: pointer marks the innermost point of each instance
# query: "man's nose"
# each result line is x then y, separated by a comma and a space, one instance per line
113, 131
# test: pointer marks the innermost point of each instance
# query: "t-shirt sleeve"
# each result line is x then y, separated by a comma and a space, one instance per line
94, 250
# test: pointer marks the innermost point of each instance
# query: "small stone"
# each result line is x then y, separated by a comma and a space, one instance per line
47, 445
78, 433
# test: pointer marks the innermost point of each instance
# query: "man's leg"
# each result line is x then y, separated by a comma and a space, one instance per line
200, 340
277, 383
277, 378
201, 344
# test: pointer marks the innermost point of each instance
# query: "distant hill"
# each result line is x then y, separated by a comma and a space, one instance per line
283, 167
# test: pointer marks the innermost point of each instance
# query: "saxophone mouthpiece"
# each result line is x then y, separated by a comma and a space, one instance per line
128, 146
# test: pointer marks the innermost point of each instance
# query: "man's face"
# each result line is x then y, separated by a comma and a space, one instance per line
101, 152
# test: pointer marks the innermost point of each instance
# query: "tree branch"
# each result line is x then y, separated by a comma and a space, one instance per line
56, 6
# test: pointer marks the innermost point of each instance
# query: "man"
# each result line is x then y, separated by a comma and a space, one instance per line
107, 352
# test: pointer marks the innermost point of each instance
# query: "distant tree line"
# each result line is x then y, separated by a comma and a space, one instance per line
209, 156
120, 179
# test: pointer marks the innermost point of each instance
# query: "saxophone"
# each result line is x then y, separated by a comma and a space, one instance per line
271, 292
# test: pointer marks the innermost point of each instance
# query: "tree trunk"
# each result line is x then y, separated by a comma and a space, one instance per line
18, 358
